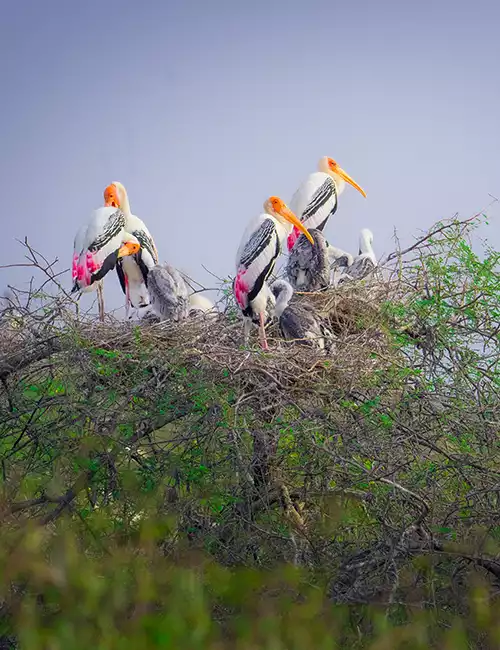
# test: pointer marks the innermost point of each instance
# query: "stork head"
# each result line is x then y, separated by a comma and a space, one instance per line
130, 247
278, 209
115, 196
332, 168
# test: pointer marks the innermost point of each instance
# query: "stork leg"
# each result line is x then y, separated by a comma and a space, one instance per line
100, 301
127, 299
262, 332
247, 326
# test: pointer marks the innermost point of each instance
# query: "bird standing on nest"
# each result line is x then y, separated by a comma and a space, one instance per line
365, 261
133, 271
309, 267
255, 260
316, 199
169, 294
99, 244
298, 322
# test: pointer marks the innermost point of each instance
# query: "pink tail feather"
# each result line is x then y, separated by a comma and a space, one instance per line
241, 290
84, 266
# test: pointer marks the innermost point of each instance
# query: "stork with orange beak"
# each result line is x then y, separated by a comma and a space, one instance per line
255, 260
315, 202
133, 270
98, 246
316, 199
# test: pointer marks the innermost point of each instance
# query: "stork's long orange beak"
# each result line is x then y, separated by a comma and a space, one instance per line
285, 212
338, 170
111, 199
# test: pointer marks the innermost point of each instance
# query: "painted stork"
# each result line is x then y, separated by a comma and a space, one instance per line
169, 294
364, 262
298, 322
312, 268
308, 268
316, 199
98, 246
255, 260
133, 270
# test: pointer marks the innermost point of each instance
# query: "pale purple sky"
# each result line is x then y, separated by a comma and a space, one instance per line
204, 109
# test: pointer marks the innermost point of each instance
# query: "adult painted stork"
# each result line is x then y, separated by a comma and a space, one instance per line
255, 260
98, 246
169, 294
316, 199
299, 321
364, 262
133, 270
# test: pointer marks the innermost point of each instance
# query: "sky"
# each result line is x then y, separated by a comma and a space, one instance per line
204, 109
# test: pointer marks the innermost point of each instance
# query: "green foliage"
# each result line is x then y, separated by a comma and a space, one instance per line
159, 491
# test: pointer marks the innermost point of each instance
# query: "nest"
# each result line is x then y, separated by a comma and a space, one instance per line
214, 346
351, 309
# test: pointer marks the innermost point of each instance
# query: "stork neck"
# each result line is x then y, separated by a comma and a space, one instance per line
125, 206
283, 227
339, 183
365, 246
283, 292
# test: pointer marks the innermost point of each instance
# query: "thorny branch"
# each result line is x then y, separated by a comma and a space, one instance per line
436, 231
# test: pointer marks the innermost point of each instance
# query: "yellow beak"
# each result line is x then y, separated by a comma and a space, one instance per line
129, 248
287, 214
348, 179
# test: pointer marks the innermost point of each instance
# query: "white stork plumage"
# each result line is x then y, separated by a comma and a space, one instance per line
364, 262
133, 271
255, 260
316, 199
298, 322
169, 294
202, 304
98, 246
